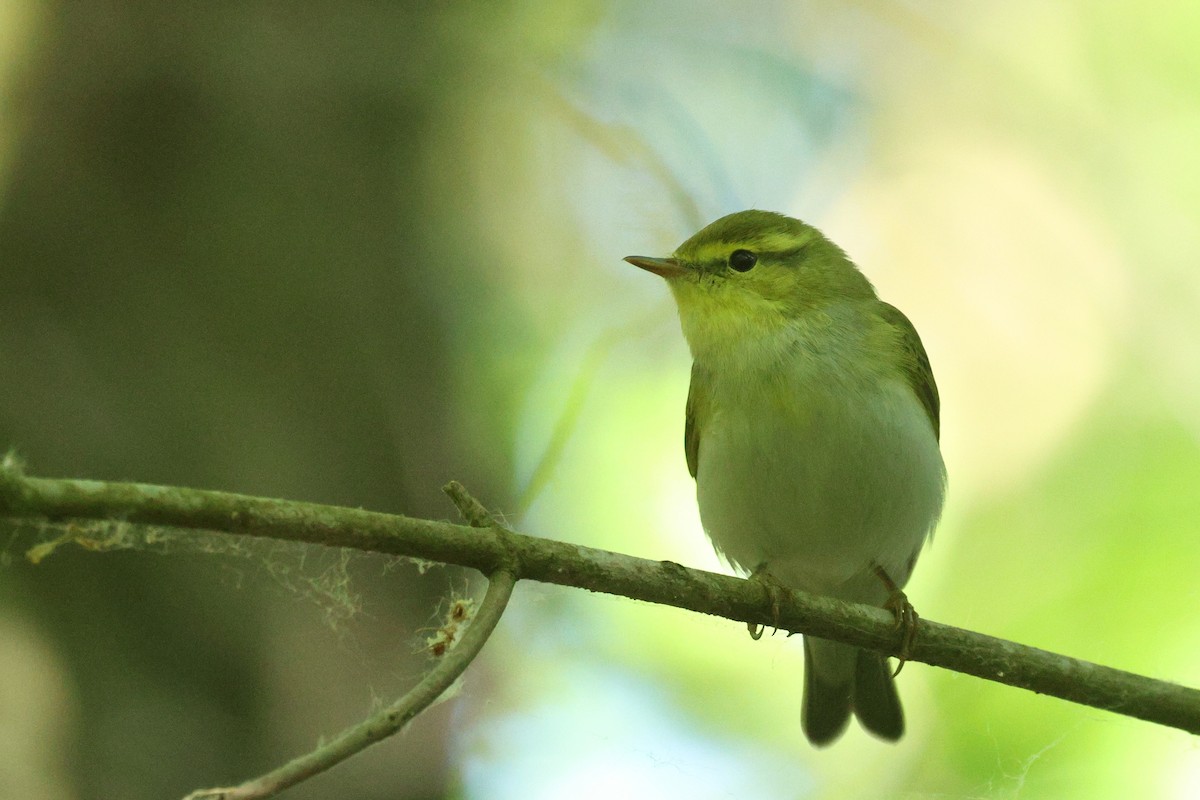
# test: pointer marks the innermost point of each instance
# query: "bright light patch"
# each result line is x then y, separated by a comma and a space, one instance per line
612, 735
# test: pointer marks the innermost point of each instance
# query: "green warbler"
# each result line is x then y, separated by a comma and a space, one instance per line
812, 433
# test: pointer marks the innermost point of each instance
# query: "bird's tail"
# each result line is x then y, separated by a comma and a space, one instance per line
840, 679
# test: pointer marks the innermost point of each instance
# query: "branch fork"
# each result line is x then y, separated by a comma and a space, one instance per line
506, 556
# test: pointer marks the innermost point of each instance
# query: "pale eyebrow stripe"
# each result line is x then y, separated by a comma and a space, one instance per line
777, 246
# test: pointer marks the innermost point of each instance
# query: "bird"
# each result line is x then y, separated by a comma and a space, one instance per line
812, 430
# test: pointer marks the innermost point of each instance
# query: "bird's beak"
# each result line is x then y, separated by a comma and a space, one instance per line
666, 267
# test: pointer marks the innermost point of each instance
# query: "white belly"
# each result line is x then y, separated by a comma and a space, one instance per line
821, 491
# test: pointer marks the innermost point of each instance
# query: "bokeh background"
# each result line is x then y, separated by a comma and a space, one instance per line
346, 252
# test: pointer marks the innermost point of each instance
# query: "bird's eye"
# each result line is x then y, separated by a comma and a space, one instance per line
742, 260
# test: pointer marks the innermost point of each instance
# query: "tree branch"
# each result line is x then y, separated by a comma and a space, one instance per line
387, 721
456, 657
494, 548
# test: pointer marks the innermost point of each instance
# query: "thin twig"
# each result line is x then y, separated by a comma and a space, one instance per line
489, 549
473, 511
389, 720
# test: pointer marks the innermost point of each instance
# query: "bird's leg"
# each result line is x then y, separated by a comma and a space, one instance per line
772, 587
906, 616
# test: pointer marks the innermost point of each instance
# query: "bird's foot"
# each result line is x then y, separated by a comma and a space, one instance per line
774, 590
906, 617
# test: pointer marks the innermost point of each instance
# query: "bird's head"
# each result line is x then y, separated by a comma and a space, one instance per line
751, 275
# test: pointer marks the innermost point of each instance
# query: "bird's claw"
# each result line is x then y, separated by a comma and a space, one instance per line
906, 623
773, 589
906, 617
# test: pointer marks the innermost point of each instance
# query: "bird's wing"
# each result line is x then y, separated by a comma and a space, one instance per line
691, 430
916, 365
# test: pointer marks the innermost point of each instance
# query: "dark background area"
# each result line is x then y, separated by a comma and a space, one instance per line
221, 234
